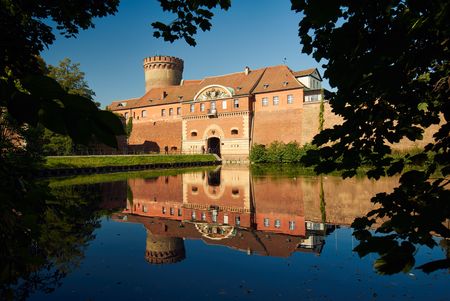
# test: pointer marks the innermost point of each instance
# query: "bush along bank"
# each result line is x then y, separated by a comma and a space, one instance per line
279, 152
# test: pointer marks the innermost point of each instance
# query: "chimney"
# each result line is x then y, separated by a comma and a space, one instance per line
163, 94
247, 70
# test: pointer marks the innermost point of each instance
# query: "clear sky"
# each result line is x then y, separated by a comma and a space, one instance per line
254, 33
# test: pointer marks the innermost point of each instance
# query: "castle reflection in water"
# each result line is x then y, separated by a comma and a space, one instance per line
229, 207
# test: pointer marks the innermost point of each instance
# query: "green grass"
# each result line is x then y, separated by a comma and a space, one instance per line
126, 160
123, 176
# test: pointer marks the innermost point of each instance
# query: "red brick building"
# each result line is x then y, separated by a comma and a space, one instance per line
224, 114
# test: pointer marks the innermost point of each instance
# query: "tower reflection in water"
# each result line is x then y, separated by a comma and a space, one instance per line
228, 207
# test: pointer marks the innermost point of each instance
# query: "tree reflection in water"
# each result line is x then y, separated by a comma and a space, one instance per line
43, 241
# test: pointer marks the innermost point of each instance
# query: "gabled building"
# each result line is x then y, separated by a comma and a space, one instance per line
223, 114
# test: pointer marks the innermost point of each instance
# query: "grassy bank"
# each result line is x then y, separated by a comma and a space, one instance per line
122, 176
126, 160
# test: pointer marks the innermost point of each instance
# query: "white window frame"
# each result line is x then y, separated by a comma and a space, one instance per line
275, 100
265, 101
290, 99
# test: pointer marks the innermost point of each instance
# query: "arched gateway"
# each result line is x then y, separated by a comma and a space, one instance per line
213, 145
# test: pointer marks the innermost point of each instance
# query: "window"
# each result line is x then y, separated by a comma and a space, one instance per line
192, 108
179, 212
277, 223
163, 210
236, 103
202, 107
235, 191
276, 100
265, 102
194, 134
126, 116
224, 104
144, 113
213, 105
203, 216
170, 111
238, 220
266, 222
172, 211
291, 225
179, 111
163, 112
234, 132
134, 114
290, 99
193, 215
144, 209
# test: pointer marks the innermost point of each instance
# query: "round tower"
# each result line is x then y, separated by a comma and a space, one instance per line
161, 249
162, 71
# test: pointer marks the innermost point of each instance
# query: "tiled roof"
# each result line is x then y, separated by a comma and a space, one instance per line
186, 82
304, 72
277, 78
262, 80
241, 83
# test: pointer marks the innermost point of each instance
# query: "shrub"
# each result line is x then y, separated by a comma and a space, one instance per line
258, 153
278, 152
275, 152
292, 152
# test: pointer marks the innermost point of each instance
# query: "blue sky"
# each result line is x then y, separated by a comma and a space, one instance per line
251, 33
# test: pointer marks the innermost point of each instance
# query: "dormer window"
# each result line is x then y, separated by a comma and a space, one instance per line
266, 86
238, 88
122, 104
180, 97
285, 84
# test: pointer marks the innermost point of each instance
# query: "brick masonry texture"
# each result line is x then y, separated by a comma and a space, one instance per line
155, 135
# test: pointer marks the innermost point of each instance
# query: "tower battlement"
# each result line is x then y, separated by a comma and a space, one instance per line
162, 71
162, 250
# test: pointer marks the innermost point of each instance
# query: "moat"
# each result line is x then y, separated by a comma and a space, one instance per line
226, 234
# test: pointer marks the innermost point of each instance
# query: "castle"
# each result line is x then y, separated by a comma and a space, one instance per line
223, 114
227, 114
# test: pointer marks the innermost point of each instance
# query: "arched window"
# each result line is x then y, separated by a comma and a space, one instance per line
234, 132
144, 113
193, 134
126, 116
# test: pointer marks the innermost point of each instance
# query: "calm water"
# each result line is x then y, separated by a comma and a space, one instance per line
230, 235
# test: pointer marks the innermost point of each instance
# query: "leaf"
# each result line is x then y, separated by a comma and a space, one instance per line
423, 106
430, 267
396, 167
